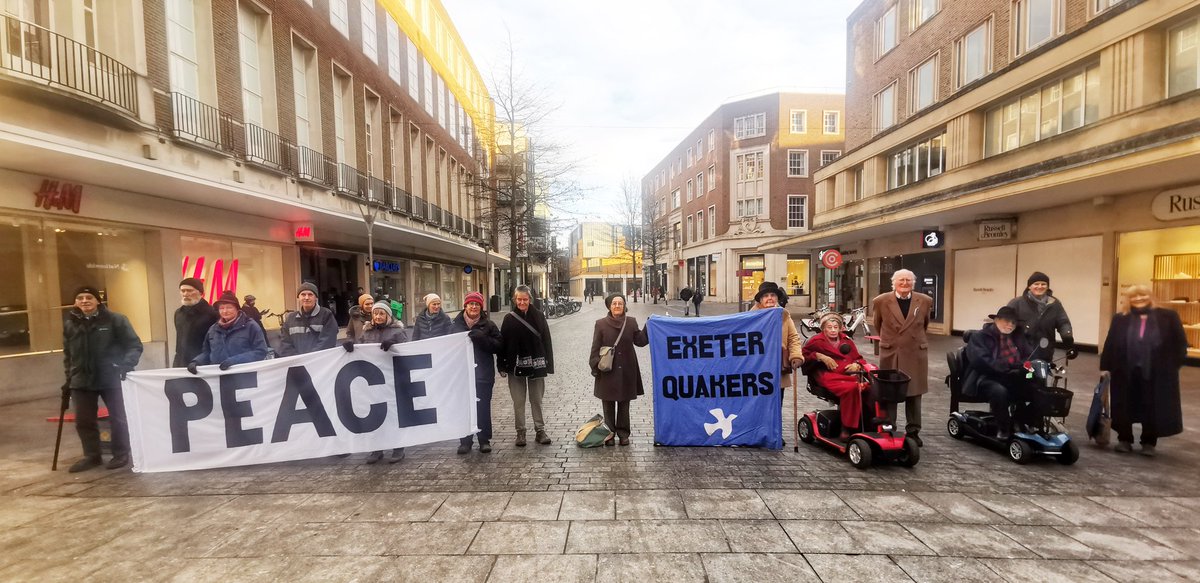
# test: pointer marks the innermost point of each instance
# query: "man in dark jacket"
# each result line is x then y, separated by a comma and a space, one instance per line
192, 321
309, 329
697, 298
252, 312
996, 358
1040, 314
485, 339
99, 347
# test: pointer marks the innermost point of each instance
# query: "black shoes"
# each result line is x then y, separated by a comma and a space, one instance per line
917, 438
542, 438
118, 461
520, 439
85, 464
464, 447
374, 457
397, 455
624, 441
485, 447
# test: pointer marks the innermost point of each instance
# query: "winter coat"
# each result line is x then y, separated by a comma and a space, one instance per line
303, 333
902, 342
793, 346
428, 325
191, 327
97, 349
820, 344
485, 340
624, 381
1037, 326
392, 331
983, 358
1134, 399
241, 342
253, 313
523, 353
358, 320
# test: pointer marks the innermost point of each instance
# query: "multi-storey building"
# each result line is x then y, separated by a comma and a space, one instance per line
741, 179
240, 141
989, 139
603, 258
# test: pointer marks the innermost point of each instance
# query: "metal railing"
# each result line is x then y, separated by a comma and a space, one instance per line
40, 53
266, 148
350, 180
378, 191
420, 210
196, 121
315, 167
403, 202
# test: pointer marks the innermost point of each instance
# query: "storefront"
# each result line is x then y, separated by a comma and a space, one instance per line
242, 267
751, 273
1169, 259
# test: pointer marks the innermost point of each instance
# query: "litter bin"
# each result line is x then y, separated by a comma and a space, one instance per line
494, 304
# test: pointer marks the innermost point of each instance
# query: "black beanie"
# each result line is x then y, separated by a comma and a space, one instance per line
88, 289
1037, 276
194, 282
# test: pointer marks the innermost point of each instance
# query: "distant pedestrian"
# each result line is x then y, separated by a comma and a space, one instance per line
385, 330
685, 295
252, 312
698, 297
360, 315
99, 347
433, 322
193, 318
233, 339
526, 358
485, 340
310, 328
623, 382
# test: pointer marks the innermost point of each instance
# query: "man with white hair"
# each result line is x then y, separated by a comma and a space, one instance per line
901, 317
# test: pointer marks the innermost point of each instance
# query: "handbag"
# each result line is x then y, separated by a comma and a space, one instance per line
1099, 421
608, 352
593, 433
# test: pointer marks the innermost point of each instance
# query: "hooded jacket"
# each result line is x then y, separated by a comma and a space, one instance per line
98, 348
241, 342
983, 357
191, 327
485, 340
303, 333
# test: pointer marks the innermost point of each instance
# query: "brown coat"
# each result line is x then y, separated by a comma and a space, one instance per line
902, 341
624, 381
793, 346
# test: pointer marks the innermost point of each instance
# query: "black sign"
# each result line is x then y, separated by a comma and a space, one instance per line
932, 239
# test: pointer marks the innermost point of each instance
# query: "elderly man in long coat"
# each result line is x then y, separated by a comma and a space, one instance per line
901, 317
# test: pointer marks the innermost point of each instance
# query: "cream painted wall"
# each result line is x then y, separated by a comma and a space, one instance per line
1137, 250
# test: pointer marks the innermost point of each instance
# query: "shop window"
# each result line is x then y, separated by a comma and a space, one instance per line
1183, 66
797, 275
451, 288
712, 273
427, 282
243, 268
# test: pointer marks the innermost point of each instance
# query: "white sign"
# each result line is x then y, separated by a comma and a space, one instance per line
996, 230
1180, 203
306, 406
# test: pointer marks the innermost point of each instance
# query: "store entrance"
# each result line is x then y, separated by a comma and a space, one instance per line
1169, 260
335, 273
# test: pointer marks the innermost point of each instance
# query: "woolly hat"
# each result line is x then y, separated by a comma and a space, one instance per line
193, 282
1036, 277
308, 286
474, 297
382, 307
88, 289
364, 298
227, 297
431, 297
831, 316
610, 297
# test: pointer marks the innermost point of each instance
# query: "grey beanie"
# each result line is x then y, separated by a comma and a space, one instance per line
307, 286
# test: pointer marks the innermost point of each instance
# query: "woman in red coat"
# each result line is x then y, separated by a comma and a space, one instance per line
836, 374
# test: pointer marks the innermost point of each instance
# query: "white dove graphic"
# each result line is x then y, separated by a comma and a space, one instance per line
725, 424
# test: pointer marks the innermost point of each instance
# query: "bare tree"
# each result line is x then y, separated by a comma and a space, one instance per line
629, 209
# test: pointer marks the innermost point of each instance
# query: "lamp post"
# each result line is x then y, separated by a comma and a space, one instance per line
369, 210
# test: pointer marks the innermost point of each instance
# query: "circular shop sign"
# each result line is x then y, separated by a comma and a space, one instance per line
831, 259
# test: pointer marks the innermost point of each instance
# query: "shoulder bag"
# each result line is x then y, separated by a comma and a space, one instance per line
607, 352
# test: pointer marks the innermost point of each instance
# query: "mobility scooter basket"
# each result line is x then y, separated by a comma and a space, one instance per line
890, 386
1052, 402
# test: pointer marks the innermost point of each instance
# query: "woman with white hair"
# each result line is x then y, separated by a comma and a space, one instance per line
526, 358
432, 322
901, 317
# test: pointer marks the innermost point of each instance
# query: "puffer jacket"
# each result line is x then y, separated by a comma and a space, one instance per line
390, 331
485, 340
241, 342
429, 325
98, 348
303, 333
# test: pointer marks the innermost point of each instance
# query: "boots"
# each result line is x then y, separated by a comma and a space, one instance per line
541, 437
374, 457
464, 446
520, 439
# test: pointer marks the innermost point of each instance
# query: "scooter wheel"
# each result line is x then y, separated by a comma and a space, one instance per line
912, 453
859, 452
1070, 453
805, 429
1020, 451
954, 428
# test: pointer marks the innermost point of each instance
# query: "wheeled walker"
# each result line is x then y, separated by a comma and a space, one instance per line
883, 443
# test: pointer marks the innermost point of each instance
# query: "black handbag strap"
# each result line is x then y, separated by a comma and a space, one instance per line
526, 324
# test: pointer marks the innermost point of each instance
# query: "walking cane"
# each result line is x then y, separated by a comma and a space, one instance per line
795, 413
62, 413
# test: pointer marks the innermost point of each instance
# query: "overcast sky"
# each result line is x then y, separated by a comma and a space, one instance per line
632, 78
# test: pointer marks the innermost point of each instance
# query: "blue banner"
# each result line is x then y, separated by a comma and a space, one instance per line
717, 379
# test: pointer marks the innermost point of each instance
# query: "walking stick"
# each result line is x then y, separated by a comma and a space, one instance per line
795, 414
62, 413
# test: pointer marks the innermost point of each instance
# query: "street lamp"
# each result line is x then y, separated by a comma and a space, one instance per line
369, 210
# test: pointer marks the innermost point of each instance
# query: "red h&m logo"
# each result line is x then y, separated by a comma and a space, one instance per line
62, 196
303, 232
221, 280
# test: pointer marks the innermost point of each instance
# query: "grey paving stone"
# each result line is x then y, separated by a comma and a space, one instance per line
757, 536
1046, 571
1184, 540
52, 543
946, 570
588, 506
520, 538
724, 504
651, 567
647, 504
1048, 542
114, 571
853, 537
315, 539
351, 568
430, 538
1192, 502
646, 536
533, 506
1081, 511
757, 568
325, 507
807, 505
967, 540
399, 507
472, 506
543, 569
1151, 511
960, 508
1122, 544
253, 509
1018, 510
229, 569
855, 568
1189, 569
1140, 571
889, 506
18, 510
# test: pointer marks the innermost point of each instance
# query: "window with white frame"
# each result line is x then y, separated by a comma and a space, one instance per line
750, 126
799, 121
343, 117
394, 64
370, 38
414, 70
700, 185
886, 31
712, 177
885, 108
690, 192
749, 207
797, 211
1035, 22
973, 54
339, 16
828, 156
700, 226
1099, 6
675, 198
712, 221
751, 184
306, 95
1059, 106
439, 94
832, 122
252, 42
918, 161
859, 186
690, 233
922, 85
1183, 58
691, 158
372, 134
699, 150
675, 234
920, 11
184, 60
797, 163
427, 81
712, 140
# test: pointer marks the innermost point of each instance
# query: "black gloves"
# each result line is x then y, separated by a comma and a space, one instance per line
349, 346
386, 345
225, 364
191, 367
476, 333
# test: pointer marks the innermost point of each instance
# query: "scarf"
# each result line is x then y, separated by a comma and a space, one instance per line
1042, 303
1008, 351
471, 322
227, 324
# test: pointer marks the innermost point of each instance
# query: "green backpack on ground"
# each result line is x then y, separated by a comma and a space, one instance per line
593, 433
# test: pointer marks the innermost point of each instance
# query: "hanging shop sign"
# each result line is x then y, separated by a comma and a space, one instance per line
1176, 204
55, 195
831, 258
1002, 230
932, 239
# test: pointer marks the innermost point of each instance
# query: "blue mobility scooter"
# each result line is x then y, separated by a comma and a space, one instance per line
879, 440
1040, 424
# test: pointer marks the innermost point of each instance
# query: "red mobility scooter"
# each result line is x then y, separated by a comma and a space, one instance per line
883, 442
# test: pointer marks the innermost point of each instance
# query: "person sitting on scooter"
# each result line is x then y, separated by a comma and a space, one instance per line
841, 360
996, 359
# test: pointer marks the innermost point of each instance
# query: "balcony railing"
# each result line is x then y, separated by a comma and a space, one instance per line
36, 52
379, 192
402, 202
351, 182
198, 122
269, 149
315, 167
420, 210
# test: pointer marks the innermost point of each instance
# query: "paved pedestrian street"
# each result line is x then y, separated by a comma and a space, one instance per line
637, 513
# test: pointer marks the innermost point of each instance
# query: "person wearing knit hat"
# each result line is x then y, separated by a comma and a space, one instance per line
193, 318
1040, 315
485, 341
841, 360
310, 328
360, 315
233, 339
384, 330
433, 321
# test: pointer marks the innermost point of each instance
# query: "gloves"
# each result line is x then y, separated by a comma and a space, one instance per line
476, 333
386, 345
225, 364
796, 362
348, 346
829, 363
191, 367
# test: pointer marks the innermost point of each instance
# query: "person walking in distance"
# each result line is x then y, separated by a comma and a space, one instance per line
193, 318
697, 298
526, 358
901, 317
252, 312
99, 347
485, 341
310, 328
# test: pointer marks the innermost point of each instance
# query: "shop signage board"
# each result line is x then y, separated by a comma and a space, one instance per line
1176, 204
831, 258
303, 232
932, 239
56, 195
996, 230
